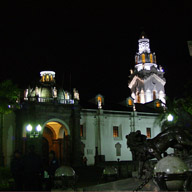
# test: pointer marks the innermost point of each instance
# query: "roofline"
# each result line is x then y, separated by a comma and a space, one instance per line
120, 112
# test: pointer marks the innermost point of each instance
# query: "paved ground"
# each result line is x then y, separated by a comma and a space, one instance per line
87, 176
129, 184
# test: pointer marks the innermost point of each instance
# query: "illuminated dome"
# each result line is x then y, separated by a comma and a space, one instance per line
46, 92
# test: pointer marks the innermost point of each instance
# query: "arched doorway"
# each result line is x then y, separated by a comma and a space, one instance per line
56, 138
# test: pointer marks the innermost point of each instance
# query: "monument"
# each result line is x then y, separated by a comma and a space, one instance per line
170, 172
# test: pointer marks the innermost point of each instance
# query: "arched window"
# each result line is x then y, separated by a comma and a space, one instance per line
154, 95
143, 58
158, 104
130, 102
151, 58
43, 78
136, 59
118, 149
47, 77
138, 98
51, 78
99, 100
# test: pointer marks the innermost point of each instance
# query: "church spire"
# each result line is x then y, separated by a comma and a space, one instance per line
147, 80
143, 35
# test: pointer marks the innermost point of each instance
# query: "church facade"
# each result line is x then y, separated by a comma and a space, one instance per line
54, 119
103, 131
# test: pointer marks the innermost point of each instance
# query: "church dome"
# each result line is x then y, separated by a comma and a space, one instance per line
45, 92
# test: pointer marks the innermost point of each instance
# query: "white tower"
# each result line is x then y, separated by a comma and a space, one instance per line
147, 79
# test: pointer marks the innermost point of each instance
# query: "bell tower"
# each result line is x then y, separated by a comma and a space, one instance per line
147, 79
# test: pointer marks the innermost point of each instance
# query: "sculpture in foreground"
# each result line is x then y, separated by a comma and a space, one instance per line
144, 149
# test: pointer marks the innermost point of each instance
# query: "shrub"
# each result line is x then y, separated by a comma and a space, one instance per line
6, 180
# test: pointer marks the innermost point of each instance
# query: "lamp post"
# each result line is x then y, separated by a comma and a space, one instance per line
33, 133
130, 103
34, 137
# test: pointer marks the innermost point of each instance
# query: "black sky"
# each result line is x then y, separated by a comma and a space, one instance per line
95, 44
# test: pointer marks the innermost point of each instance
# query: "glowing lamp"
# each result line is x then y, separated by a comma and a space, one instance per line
38, 128
29, 128
170, 117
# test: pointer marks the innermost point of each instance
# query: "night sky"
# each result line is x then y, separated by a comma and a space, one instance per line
94, 45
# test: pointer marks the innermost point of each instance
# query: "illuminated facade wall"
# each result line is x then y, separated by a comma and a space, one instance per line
99, 132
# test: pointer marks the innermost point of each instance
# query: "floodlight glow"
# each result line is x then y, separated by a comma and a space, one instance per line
38, 128
29, 128
170, 117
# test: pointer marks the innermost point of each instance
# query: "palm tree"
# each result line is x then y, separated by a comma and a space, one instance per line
9, 94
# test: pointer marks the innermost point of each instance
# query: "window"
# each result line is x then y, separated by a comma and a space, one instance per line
154, 95
148, 130
115, 131
83, 131
99, 102
118, 149
151, 58
51, 78
130, 102
138, 98
99, 99
158, 104
143, 58
47, 77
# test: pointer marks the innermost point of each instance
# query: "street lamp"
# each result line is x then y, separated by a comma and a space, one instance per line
33, 133
29, 128
170, 118
38, 128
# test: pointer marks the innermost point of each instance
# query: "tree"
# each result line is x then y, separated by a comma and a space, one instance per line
180, 108
9, 94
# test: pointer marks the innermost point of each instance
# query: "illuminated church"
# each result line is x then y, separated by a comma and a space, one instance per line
52, 118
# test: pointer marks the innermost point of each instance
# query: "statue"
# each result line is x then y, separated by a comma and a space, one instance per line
144, 149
